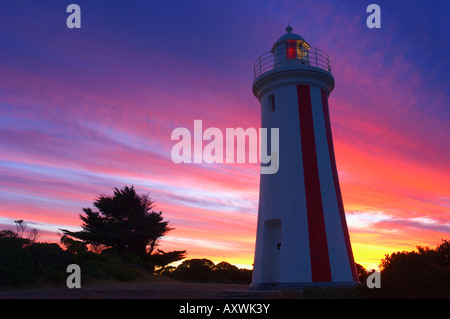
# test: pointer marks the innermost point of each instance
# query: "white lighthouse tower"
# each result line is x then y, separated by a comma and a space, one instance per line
302, 237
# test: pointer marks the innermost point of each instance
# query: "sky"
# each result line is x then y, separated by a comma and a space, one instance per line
85, 110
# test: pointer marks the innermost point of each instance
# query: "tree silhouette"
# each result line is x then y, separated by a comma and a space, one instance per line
124, 221
162, 259
197, 270
362, 273
424, 273
32, 235
204, 270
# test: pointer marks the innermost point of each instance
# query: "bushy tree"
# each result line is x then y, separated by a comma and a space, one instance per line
16, 265
124, 221
362, 273
23, 261
162, 259
204, 270
49, 261
196, 270
424, 273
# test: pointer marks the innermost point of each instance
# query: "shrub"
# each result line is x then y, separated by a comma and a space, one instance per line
49, 261
16, 265
424, 273
204, 270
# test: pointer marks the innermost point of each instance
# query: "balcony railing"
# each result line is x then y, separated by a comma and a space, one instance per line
313, 57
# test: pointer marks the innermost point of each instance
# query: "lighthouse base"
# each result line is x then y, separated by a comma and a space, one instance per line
301, 285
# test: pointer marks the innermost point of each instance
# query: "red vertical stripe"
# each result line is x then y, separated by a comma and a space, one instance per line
337, 187
320, 263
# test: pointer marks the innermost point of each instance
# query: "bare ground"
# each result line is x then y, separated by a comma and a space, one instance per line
149, 288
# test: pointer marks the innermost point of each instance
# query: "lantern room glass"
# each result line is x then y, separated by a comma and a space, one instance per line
296, 49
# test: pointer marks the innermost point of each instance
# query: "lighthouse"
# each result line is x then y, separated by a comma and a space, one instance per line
302, 237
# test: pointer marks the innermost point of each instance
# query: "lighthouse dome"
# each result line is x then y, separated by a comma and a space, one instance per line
288, 36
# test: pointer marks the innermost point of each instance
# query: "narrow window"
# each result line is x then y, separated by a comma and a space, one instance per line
272, 103
291, 49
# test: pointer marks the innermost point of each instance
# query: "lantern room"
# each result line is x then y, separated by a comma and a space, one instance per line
291, 48
291, 51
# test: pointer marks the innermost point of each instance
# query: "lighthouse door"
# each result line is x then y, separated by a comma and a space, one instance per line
273, 235
277, 254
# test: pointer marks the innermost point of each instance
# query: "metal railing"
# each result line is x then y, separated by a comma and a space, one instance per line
313, 57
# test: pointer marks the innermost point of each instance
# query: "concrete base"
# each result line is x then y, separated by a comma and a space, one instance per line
252, 294
299, 285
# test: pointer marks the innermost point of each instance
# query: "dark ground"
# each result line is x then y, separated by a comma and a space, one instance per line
154, 288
